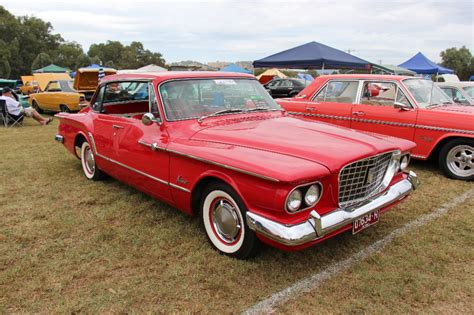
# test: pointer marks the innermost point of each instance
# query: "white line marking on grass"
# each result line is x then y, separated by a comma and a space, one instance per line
307, 284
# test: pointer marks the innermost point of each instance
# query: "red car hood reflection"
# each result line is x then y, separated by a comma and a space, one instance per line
322, 143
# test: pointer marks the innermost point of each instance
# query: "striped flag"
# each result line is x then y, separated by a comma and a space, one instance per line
101, 73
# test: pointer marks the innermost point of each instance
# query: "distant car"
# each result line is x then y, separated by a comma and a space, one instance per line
285, 87
58, 96
406, 107
461, 92
216, 145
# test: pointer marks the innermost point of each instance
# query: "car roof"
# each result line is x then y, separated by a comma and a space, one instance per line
368, 76
169, 75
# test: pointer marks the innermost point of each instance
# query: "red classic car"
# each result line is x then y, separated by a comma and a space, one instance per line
406, 107
217, 145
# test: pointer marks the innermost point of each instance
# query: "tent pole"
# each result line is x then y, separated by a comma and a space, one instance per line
322, 68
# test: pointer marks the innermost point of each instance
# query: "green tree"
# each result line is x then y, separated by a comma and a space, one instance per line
96, 60
82, 61
5, 68
42, 60
460, 60
109, 51
67, 54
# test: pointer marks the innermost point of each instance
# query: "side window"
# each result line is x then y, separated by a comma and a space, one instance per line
117, 92
273, 84
286, 83
338, 92
402, 98
98, 101
378, 93
53, 86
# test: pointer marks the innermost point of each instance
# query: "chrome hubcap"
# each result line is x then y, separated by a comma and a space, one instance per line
90, 162
225, 220
461, 160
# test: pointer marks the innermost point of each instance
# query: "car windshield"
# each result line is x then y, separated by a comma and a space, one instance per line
469, 90
200, 98
426, 93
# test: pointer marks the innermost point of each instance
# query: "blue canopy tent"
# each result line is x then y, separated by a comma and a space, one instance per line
312, 55
235, 68
422, 65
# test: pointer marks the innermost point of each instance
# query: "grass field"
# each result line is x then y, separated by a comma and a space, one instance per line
72, 245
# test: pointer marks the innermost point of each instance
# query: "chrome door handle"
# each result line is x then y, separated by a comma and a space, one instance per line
358, 113
153, 146
117, 127
310, 109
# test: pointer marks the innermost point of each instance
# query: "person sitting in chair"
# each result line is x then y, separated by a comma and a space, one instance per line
16, 111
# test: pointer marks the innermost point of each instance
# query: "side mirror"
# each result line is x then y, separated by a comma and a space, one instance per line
401, 106
456, 100
149, 118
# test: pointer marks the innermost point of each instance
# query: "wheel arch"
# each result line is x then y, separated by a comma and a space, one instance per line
78, 141
442, 141
204, 181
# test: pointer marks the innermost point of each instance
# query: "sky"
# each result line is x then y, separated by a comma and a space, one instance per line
383, 31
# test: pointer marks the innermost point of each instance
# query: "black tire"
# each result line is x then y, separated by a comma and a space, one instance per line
89, 167
35, 105
64, 108
456, 159
220, 199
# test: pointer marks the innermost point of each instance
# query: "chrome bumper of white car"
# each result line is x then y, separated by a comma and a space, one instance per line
318, 226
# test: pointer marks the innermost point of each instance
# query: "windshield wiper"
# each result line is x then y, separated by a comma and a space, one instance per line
220, 112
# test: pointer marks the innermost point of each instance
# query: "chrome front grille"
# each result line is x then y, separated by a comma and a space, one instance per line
362, 179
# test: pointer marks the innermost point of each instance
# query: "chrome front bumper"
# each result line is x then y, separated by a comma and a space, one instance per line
318, 226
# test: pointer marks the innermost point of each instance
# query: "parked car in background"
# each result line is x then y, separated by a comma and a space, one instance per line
461, 92
29, 85
286, 87
215, 144
58, 96
87, 80
411, 108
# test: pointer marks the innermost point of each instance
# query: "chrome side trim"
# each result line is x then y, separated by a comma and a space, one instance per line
317, 226
152, 146
179, 187
133, 169
384, 122
224, 166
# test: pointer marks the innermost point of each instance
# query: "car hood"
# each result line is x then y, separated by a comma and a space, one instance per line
322, 143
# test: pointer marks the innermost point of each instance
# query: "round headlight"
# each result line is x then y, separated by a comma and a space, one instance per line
404, 162
312, 195
294, 200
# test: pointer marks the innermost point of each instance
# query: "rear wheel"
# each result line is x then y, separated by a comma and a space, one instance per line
64, 108
456, 159
223, 215
89, 167
35, 105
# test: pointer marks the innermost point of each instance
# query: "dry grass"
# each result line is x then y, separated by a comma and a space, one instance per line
72, 245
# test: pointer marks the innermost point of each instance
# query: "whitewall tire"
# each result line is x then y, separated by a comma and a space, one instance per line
89, 167
223, 216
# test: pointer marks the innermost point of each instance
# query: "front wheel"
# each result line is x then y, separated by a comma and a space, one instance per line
35, 105
456, 159
64, 109
89, 167
223, 215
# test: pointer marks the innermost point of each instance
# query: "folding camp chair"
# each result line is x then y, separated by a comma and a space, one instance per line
9, 120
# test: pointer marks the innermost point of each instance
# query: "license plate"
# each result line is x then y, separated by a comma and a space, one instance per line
364, 222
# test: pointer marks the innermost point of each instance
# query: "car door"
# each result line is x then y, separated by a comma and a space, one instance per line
142, 148
333, 102
284, 88
383, 107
